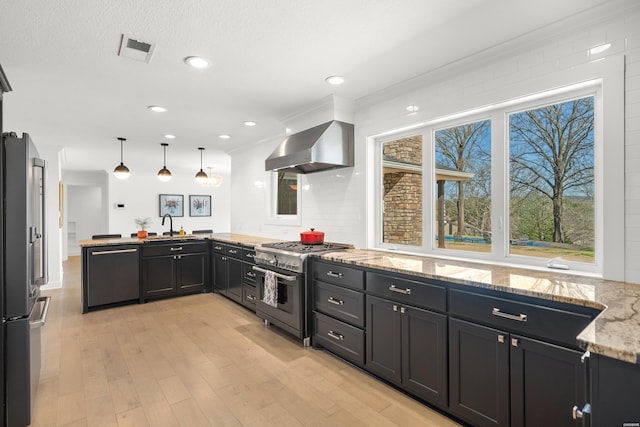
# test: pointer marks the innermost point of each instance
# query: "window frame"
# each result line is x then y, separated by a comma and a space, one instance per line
602, 79
273, 218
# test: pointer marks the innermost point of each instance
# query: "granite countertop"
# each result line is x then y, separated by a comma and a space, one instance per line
614, 333
232, 238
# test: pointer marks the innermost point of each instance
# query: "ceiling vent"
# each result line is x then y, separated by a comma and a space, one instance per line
136, 49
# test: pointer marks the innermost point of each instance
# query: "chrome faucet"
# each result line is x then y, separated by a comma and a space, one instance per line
170, 223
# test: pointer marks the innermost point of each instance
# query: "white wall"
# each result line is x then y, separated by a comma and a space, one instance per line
336, 202
140, 195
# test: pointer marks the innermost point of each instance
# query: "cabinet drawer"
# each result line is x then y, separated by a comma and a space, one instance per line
248, 275
173, 248
339, 302
219, 248
248, 254
555, 323
420, 294
339, 338
233, 251
249, 296
343, 276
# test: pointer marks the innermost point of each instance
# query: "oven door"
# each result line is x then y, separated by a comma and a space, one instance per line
288, 313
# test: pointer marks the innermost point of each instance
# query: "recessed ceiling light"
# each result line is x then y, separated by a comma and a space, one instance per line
196, 62
157, 108
249, 123
412, 109
334, 80
224, 136
169, 136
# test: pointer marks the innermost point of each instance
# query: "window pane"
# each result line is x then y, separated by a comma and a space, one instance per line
551, 158
287, 193
402, 191
463, 187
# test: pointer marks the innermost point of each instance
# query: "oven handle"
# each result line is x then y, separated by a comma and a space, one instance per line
281, 276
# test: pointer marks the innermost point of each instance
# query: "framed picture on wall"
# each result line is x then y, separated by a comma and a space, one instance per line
172, 204
199, 205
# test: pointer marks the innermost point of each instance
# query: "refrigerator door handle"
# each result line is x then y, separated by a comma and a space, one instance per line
43, 316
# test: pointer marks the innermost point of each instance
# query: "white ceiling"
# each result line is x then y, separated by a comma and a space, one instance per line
269, 60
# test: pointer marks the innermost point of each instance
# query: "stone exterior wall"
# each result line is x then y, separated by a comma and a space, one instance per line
405, 150
402, 222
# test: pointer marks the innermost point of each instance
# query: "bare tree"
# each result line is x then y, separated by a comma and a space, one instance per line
551, 153
459, 147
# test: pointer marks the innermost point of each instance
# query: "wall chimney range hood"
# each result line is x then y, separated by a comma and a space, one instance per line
324, 147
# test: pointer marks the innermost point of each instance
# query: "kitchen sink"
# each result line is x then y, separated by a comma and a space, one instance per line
176, 238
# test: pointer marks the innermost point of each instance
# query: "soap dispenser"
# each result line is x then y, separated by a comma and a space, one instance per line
181, 231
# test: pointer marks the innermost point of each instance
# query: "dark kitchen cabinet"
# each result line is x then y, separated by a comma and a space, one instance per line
502, 379
227, 270
616, 392
249, 292
338, 317
407, 345
174, 269
502, 373
111, 275
479, 373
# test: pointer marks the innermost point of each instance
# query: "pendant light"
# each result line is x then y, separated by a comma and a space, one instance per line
212, 180
121, 171
201, 176
164, 174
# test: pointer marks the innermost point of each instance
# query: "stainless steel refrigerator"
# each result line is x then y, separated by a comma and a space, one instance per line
24, 270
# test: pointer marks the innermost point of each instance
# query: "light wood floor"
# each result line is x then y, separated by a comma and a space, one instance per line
198, 361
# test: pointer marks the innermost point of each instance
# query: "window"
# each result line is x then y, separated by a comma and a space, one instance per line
463, 187
287, 194
551, 181
402, 191
517, 183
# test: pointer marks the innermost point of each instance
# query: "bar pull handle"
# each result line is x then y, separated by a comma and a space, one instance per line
580, 413
335, 336
519, 318
232, 251
118, 251
332, 300
217, 248
176, 248
251, 297
585, 356
394, 288
43, 315
334, 274
281, 276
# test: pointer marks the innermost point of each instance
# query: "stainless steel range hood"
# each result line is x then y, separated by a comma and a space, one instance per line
324, 147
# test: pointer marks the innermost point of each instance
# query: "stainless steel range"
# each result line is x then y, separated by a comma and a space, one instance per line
282, 266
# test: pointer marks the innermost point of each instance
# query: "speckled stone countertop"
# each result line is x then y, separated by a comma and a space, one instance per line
614, 333
232, 238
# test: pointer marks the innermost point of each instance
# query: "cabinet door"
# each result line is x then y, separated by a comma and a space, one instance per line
234, 279
479, 373
383, 339
112, 275
220, 273
424, 354
191, 271
158, 276
546, 382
